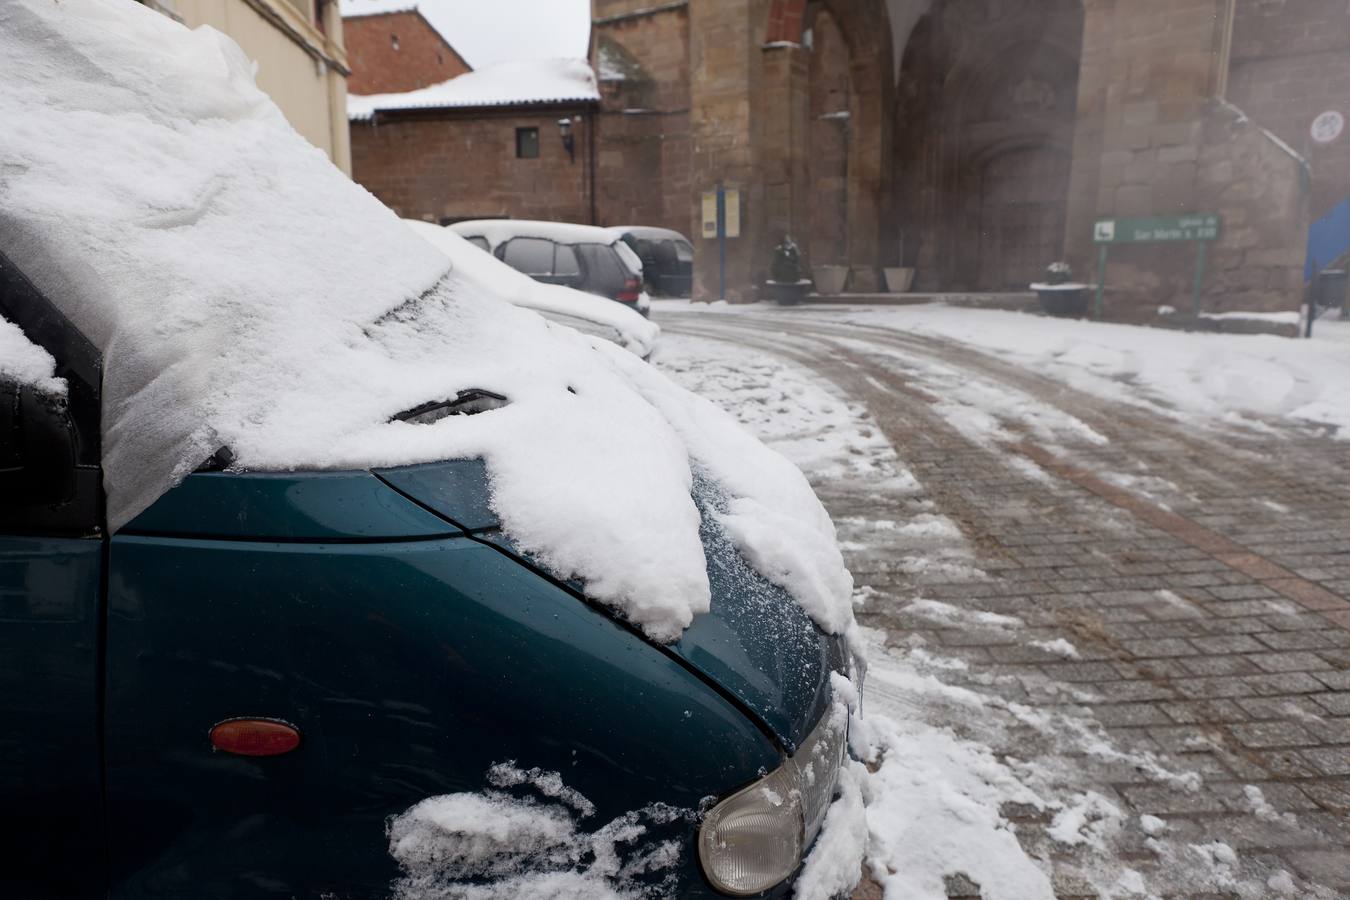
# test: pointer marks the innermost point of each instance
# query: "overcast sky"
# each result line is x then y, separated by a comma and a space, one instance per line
489, 31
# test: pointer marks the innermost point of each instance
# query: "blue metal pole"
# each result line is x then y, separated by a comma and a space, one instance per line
721, 242
1101, 283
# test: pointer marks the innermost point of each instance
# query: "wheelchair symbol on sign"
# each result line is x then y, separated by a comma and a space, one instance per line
1106, 231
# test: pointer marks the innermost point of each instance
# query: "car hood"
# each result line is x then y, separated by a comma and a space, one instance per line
755, 644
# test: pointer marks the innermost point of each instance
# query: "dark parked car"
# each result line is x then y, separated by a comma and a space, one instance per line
233, 694
667, 258
578, 256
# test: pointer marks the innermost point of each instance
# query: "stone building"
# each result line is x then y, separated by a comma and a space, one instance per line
298, 48
978, 140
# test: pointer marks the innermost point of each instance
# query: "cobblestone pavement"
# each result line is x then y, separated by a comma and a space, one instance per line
1202, 574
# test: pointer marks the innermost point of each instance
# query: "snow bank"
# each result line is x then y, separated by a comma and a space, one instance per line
25, 362
637, 333
515, 83
1188, 376
245, 293
935, 812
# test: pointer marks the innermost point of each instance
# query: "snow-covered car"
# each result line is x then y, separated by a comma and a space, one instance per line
667, 258
325, 572
584, 257
584, 312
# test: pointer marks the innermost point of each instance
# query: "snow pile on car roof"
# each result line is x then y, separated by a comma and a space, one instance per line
520, 82
245, 293
25, 362
499, 231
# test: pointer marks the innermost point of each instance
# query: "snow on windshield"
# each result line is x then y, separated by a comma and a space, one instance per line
246, 294
25, 362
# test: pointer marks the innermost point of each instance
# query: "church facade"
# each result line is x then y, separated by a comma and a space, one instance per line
975, 142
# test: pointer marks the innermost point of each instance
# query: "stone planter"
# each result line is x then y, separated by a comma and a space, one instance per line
1069, 301
899, 279
787, 293
830, 280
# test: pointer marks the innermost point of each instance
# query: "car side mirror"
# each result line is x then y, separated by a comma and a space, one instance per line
37, 447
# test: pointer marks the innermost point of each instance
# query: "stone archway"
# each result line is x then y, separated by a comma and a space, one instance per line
985, 113
1021, 224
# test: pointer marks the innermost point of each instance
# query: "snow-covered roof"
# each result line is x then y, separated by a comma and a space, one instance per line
499, 230
25, 362
353, 9
244, 293
637, 332
529, 82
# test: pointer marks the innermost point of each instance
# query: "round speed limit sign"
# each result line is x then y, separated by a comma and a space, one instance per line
1328, 126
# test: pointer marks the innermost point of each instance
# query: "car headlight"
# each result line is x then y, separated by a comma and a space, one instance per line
755, 838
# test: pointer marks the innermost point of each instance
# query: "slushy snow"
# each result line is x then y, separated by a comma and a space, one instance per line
245, 294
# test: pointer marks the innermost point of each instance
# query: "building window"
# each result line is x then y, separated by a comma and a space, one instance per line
527, 143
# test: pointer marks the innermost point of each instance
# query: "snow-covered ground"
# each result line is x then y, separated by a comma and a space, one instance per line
961, 780
796, 414
1198, 377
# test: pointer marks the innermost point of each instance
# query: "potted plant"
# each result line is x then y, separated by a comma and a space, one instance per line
1059, 294
786, 284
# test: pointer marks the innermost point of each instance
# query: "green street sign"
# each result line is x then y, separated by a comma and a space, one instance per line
1153, 229
1200, 227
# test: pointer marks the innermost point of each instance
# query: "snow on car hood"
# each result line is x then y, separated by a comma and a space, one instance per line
637, 332
245, 293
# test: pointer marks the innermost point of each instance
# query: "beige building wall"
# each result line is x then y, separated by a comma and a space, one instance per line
302, 66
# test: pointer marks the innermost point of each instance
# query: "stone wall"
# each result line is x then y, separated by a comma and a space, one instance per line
725, 37
1291, 62
1152, 141
397, 52
642, 59
1258, 186
449, 166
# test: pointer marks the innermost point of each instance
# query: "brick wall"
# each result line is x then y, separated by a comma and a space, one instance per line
397, 52
463, 165
1290, 62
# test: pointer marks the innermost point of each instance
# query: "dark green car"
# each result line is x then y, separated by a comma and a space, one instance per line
238, 692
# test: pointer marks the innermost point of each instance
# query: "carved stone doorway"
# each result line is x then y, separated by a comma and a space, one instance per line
1021, 216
